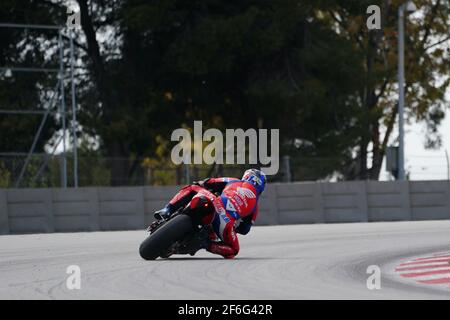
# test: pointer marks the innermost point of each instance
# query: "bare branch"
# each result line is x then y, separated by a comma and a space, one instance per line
436, 44
434, 11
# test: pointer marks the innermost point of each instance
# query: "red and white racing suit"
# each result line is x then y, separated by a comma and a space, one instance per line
236, 209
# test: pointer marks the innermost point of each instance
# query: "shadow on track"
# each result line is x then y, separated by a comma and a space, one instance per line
220, 258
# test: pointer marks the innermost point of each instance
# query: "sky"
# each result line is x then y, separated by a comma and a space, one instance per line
421, 163
424, 164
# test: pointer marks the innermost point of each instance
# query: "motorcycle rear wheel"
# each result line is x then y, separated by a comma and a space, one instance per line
160, 241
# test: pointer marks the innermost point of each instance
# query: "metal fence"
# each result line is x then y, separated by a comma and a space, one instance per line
56, 106
46, 170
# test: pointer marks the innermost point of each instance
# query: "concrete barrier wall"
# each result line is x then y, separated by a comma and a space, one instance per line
127, 208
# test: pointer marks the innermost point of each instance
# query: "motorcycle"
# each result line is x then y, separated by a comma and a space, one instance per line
183, 232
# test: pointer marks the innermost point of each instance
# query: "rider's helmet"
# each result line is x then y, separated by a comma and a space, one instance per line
257, 178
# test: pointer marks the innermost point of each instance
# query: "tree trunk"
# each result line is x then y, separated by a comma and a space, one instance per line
377, 152
367, 106
363, 159
378, 156
116, 152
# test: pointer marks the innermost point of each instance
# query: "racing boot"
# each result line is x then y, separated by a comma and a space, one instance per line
163, 213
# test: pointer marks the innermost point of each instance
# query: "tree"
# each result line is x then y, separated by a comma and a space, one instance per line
427, 68
310, 68
251, 64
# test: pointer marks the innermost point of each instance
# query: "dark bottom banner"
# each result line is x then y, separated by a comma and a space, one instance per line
220, 309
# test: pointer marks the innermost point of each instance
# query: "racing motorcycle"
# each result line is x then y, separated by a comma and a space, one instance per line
183, 232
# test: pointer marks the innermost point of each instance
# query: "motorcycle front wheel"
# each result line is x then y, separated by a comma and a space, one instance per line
160, 241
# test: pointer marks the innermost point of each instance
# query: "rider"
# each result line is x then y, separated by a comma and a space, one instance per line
236, 208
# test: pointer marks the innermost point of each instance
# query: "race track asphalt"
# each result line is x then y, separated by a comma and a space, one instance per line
318, 261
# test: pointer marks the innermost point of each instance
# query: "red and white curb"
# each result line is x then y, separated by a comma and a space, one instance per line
431, 269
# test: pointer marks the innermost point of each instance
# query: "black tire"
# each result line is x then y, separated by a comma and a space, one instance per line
161, 240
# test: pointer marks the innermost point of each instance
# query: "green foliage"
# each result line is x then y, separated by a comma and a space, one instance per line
427, 69
5, 176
